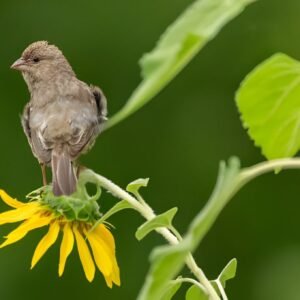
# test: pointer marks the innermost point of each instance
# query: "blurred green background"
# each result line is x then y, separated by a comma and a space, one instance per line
177, 140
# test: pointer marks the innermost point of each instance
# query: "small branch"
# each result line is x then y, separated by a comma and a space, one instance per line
192, 281
249, 173
176, 233
146, 211
199, 274
221, 289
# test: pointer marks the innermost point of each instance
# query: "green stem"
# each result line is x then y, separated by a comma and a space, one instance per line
221, 289
190, 280
224, 191
176, 233
209, 213
250, 173
148, 214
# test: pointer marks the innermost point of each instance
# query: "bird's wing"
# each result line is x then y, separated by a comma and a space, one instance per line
101, 102
83, 141
38, 148
84, 137
25, 122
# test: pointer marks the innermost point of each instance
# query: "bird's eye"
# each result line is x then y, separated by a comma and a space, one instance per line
36, 59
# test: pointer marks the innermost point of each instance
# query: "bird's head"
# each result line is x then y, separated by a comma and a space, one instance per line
41, 61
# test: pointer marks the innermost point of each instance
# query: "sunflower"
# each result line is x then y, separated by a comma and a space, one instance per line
75, 218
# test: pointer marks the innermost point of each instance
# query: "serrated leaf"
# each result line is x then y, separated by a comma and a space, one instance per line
135, 185
196, 293
162, 220
123, 204
200, 23
171, 290
269, 103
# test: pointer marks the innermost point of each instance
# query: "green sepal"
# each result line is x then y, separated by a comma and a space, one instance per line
79, 206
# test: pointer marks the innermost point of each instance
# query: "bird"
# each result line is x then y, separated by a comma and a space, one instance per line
63, 116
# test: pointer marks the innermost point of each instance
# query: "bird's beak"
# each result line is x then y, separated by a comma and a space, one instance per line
17, 65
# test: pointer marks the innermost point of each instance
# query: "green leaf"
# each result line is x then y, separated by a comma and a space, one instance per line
123, 204
195, 293
200, 23
134, 186
228, 272
162, 220
227, 184
167, 261
269, 103
171, 289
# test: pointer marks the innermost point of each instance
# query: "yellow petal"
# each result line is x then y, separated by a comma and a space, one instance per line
85, 256
45, 243
19, 214
113, 278
65, 247
9, 200
116, 273
106, 235
101, 253
33, 223
108, 281
103, 233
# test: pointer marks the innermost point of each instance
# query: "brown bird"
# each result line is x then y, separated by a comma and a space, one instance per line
64, 115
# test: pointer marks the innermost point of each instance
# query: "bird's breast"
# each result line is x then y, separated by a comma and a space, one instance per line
62, 120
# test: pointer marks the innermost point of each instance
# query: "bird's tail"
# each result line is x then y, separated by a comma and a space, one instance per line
63, 174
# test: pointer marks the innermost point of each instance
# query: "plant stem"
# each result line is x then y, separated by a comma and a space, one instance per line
212, 208
190, 280
221, 289
146, 211
250, 173
199, 274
